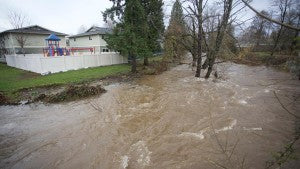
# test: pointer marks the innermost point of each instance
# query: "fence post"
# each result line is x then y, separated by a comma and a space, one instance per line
111, 58
42, 69
65, 63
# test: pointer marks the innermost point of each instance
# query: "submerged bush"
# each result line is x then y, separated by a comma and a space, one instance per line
294, 66
72, 93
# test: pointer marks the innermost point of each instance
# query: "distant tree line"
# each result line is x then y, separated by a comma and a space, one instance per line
206, 30
266, 35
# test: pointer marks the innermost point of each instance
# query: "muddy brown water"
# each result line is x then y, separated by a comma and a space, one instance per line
172, 120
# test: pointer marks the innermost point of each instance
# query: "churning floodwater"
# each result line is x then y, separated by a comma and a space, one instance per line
166, 121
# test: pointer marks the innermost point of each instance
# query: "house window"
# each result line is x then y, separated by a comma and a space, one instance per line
74, 39
105, 50
90, 38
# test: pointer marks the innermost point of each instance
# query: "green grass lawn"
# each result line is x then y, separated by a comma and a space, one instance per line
12, 79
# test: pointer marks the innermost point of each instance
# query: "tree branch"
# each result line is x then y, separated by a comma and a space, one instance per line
270, 19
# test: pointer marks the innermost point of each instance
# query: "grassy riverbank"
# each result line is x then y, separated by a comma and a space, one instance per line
17, 84
12, 79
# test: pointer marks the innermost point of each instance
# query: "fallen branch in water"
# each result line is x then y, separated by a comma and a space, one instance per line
282, 157
282, 105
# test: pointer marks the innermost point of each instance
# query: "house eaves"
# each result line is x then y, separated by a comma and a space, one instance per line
35, 29
93, 31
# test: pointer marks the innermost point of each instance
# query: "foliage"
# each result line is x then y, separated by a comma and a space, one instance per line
129, 35
175, 33
116, 11
229, 48
140, 26
154, 15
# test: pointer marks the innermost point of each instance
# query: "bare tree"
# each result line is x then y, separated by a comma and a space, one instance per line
194, 11
269, 18
228, 5
208, 30
19, 20
200, 22
2, 46
82, 29
191, 42
283, 6
258, 28
109, 24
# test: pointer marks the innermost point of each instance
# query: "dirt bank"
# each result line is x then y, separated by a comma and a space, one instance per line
57, 93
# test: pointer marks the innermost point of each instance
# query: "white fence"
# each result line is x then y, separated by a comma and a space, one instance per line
40, 64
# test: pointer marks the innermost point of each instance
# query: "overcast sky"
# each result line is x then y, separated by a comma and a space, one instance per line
68, 15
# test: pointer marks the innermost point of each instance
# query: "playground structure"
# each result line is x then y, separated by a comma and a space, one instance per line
53, 48
77, 49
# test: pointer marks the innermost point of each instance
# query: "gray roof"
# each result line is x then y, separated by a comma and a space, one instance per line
94, 30
34, 29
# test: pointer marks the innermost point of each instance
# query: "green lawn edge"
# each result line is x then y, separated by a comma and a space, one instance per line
13, 79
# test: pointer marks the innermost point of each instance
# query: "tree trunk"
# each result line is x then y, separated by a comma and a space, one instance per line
279, 32
194, 60
146, 61
276, 41
194, 46
198, 71
199, 51
210, 64
133, 65
205, 64
220, 34
209, 70
23, 50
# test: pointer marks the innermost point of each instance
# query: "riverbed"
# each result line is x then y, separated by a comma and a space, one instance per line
171, 120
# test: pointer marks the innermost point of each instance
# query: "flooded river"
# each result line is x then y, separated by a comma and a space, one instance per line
168, 121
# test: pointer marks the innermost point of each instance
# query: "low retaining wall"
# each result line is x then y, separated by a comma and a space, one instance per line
40, 64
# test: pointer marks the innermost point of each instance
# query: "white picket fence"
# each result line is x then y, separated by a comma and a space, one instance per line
43, 65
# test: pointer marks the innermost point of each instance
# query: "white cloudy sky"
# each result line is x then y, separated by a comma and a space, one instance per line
68, 15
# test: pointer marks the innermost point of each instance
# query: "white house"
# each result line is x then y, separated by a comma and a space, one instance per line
93, 37
34, 40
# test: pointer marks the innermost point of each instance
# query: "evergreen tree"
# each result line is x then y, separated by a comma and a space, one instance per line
175, 33
177, 14
129, 35
153, 15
